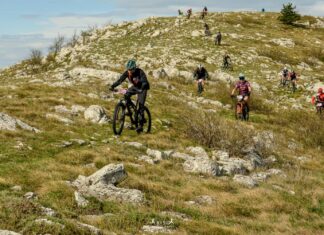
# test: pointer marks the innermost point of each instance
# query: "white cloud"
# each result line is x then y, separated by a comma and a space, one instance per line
315, 9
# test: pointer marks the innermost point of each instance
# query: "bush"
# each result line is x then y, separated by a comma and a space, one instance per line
214, 132
73, 41
35, 57
289, 14
57, 45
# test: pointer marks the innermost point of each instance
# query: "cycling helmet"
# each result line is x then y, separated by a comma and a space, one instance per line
320, 90
242, 76
199, 66
131, 65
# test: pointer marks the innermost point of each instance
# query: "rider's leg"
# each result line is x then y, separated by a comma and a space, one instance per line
246, 101
141, 103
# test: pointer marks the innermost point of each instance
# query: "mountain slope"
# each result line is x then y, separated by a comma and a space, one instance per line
286, 137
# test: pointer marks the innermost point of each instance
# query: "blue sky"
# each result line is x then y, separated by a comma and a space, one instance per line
28, 24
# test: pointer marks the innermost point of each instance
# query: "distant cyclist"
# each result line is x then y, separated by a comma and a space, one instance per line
285, 75
293, 78
226, 61
200, 75
218, 39
204, 13
189, 13
140, 86
319, 97
244, 89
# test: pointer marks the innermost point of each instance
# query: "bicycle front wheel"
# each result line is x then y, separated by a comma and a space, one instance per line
119, 118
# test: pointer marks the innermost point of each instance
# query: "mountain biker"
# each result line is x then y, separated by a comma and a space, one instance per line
319, 98
207, 31
204, 12
293, 77
200, 75
226, 61
285, 73
218, 38
180, 12
244, 89
189, 12
140, 86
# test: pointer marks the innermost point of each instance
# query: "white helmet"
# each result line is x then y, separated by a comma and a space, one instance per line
200, 66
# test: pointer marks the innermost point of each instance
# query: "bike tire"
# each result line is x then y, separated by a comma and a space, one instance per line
246, 114
148, 124
200, 88
119, 118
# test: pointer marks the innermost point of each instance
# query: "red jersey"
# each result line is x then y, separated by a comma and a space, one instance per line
243, 87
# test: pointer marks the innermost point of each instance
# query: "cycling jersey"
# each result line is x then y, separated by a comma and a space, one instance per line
243, 87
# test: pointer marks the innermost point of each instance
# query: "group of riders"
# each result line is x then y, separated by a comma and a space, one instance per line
140, 84
189, 13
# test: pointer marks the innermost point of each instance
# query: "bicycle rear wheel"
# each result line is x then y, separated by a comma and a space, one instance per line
119, 118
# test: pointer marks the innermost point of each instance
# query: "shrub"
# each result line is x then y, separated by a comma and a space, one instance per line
57, 45
289, 14
214, 132
35, 57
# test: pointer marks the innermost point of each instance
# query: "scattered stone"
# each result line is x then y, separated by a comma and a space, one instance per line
246, 181
284, 42
80, 200
65, 144
16, 188
182, 156
48, 211
233, 166
203, 166
101, 185
96, 114
31, 196
6, 232
11, 124
148, 159
155, 229
220, 155
79, 141
264, 140
92, 229
198, 152
204, 200
134, 144
176, 215
155, 154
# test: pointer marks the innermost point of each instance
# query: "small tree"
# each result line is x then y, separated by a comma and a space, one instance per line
57, 45
74, 40
289, 14
35, 57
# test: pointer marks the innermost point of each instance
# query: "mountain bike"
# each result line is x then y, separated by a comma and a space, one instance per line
200, 84
126, 107
241, 109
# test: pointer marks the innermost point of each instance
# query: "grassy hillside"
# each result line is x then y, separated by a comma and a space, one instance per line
39, 163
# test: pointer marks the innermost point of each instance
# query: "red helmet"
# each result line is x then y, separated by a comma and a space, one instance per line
320, 90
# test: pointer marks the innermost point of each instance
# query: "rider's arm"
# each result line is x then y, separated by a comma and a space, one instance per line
233, 92
206, 74
120, 80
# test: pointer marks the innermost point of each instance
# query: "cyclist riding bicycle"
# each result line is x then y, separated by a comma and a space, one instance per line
204, 13
244, 88
140, 86
218, 39
319, 98
285, 73
293, 77
189, 12
200, 75
226, 61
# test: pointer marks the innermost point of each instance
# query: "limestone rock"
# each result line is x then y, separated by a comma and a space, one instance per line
202, 166
198, 152
80, 200
96, 114
247, 181
11, 124
155, 229
6, 232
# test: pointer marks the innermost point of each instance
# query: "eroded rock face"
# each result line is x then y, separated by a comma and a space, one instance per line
101, 185
247, 181
96, 114
12, 124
